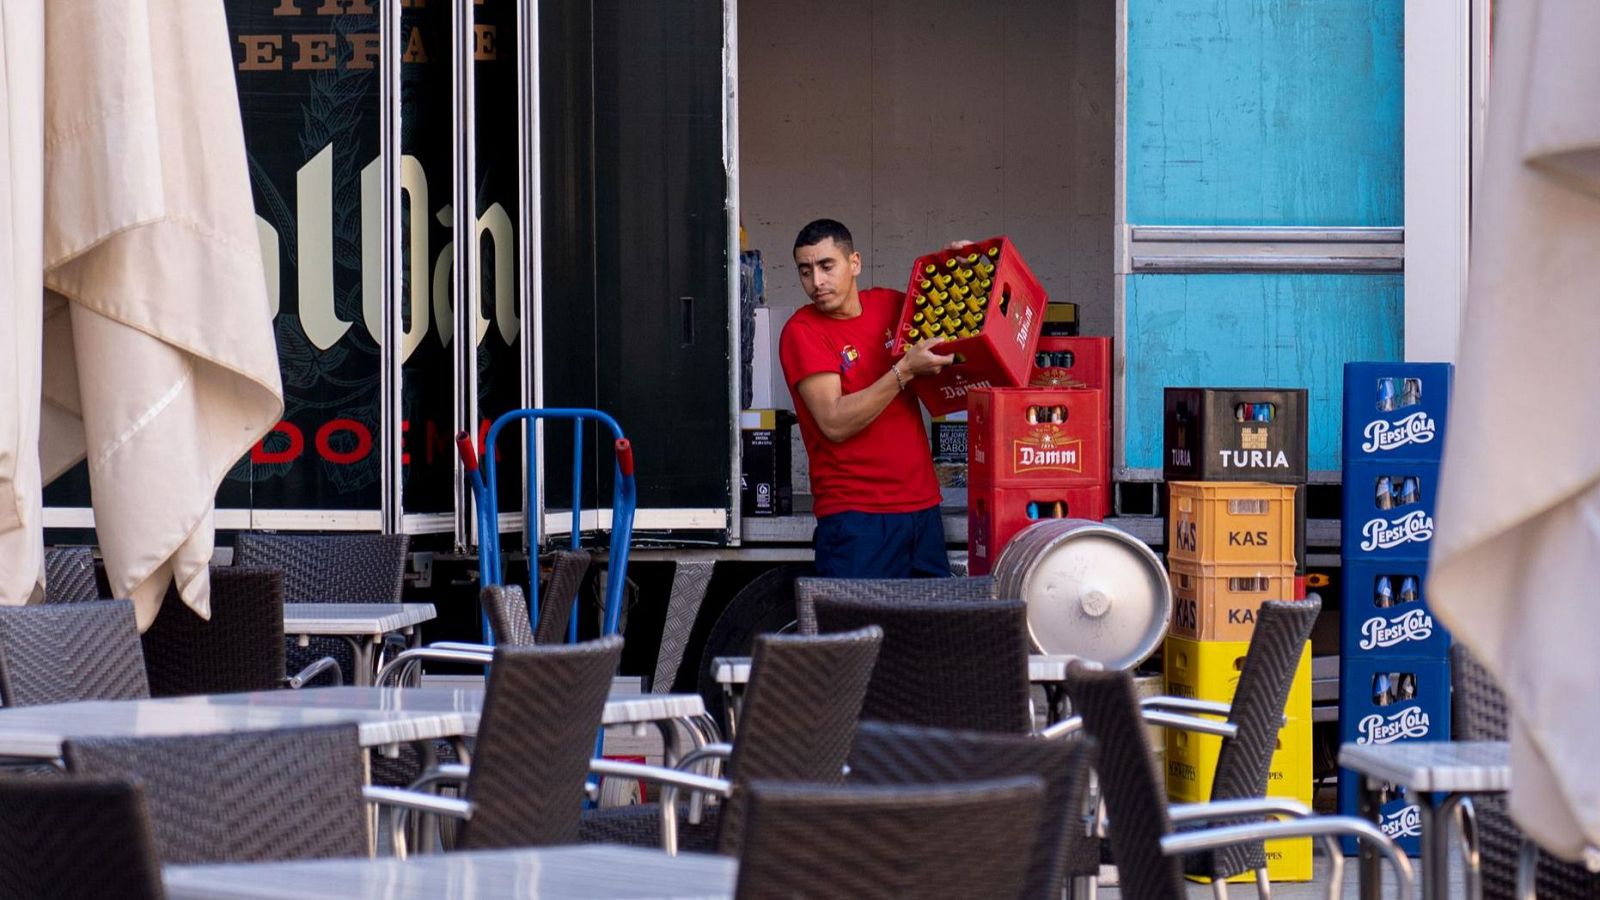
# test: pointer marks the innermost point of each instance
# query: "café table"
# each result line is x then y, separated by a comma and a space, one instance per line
362, 625
596, 872
1435, 775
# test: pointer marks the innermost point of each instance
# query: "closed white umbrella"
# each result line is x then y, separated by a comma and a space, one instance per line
159, 361
1516, 566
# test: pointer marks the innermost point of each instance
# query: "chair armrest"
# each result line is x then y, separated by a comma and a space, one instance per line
709, 751
405, 802
1074, 724
1237, 809
321, 666
1314, 826
670, 780
401, 665
1188, 723
460, 645
1186, 705
443, 773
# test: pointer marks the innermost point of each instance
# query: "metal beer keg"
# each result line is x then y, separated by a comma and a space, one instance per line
1092, 590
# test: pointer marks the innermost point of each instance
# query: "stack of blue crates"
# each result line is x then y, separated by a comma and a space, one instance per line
1394, 656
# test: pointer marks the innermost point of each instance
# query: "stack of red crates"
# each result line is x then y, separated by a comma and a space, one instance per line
1039, 452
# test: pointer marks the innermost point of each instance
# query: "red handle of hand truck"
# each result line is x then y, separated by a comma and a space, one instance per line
469, 456
624, 456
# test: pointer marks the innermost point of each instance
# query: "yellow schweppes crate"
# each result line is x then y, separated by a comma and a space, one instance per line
1191, 768
1209, 670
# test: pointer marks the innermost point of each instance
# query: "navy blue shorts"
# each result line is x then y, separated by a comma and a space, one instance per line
881, 545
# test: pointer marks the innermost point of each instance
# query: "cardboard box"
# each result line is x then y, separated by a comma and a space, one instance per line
1219, 602
1396, 411
1234, 434
765, 488
1033, 437
948, 436
1230, 522
1001, 353
995, 515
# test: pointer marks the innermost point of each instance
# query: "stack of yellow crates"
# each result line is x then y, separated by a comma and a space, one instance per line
1230, 547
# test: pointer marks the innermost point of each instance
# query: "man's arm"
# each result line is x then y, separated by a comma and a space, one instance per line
842, 416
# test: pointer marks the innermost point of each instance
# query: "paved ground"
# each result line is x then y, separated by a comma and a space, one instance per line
1315, 889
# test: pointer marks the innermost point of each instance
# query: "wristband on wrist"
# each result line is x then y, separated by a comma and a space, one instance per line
898, 378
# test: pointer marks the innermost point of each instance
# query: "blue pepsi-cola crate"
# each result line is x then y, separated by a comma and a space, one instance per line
1388, 509
1397, 817
1395, 411
1388, 700
1385, 611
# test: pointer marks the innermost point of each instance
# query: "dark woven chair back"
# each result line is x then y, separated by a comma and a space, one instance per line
800, 713
937, 842
1064, 845
556, 593
541, 711
1130, 783
507, 611
1478, 713
243, 797
1244, 763
69, 575
75, 839
239, 649
944, 665
913, 590
347, 568
70, 652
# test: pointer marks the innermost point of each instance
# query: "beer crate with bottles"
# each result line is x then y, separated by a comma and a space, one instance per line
986, 304
996, 514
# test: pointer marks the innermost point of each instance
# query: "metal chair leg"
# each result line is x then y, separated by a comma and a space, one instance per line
1527, 870
1466, 817
1219, 888
1263, 885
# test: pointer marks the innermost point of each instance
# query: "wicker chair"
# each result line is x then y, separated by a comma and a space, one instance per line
244, 797
350, 568
69, 652
75, 839
1478, 709
1146, 849
240, 648
507, 607
943, 665
1244, 763
525, 786
936, 842
800, 715
909, 590
69, 575
1064, 846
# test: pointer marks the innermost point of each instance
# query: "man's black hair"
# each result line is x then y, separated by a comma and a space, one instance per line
822, 229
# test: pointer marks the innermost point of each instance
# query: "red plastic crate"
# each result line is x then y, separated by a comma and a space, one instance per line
1001, 354
995, 515
1005, 450
1088, 363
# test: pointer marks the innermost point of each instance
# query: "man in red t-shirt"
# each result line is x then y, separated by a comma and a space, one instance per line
877, 500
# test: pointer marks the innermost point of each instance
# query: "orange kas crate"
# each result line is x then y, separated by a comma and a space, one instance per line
1000, 354
1230, 522
1220, 602
995, 515
1029, 437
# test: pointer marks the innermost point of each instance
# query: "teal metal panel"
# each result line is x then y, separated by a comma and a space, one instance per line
1254, 331
1265, 112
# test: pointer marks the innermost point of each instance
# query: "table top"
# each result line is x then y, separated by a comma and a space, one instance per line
1042, 669
353, 618
1477, 767
594, 872
383, 715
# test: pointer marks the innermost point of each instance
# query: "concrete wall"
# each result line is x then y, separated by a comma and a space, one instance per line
916, 122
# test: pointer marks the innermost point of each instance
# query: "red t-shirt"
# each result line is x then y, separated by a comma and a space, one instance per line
887, 467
